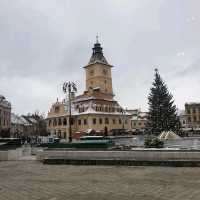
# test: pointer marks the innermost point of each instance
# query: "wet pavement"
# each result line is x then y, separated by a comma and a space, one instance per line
31, 180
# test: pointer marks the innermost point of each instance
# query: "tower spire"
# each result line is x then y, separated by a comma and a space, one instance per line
97, 53
97, 38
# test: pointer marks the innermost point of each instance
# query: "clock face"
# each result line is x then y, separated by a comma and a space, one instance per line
105, 72
91, 72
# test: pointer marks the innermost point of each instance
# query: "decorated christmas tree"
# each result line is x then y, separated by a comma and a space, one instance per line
162, 111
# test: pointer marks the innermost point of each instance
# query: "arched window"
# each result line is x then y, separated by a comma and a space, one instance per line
59, 122
57, 108
50, 122
54, 122
64, 121
72, 121
59, 133
85, 121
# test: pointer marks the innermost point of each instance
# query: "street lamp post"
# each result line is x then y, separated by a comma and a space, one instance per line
123, 112
68, 88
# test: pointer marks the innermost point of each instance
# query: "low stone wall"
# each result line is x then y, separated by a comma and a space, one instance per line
34, 150
16, 154
3, 155
138, 155
11, 154
169, 163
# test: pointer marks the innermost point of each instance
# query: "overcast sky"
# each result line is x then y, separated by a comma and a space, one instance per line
45, 42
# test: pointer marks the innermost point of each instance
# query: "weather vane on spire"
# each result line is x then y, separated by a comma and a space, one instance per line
97, 38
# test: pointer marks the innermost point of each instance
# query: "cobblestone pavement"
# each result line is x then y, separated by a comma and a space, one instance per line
31, 180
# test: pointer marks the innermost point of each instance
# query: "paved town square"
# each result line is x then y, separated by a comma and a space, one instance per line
31, 180
99, 100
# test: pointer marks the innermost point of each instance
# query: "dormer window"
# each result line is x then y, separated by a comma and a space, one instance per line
57, 109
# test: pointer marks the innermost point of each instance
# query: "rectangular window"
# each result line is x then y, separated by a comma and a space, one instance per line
106, 121
85, 121
120, 121
114, 121
72, 121
100, 121
65, 121
94, 120
79, 122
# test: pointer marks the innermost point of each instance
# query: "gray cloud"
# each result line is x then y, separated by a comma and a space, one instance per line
43, 43
192, 70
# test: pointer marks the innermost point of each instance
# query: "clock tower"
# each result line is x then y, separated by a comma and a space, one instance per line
98, 72
95, 110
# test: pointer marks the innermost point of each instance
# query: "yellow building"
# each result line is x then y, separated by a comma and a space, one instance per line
96, 109
139, 120
192, 112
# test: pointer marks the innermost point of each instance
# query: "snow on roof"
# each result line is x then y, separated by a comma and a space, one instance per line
191, 103
181, 112
92, 111
15, 119
88, 110
134, 118
4, 102
25, 122
96, 88
32, 120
